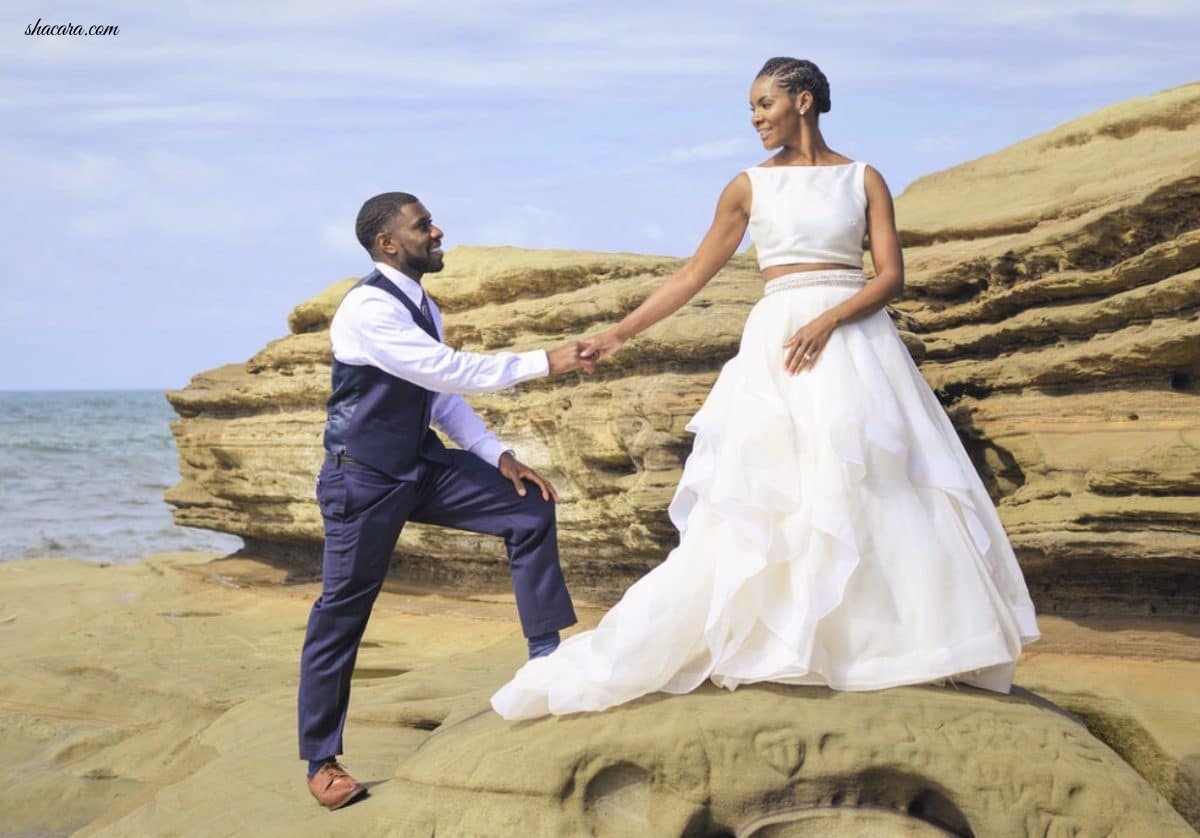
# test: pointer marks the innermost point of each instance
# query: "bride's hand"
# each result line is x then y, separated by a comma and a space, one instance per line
598, 347
805, 347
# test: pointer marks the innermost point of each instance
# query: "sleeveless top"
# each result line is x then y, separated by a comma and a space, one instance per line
808, 214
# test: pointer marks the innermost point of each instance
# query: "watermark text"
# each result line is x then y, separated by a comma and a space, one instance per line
40, 28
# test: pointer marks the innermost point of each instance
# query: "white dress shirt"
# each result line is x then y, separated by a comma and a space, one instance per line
371, 327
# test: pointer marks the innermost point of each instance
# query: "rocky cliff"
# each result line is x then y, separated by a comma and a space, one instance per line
1055, 287
1051, 300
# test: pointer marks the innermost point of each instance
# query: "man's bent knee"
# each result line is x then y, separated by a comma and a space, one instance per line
539, 509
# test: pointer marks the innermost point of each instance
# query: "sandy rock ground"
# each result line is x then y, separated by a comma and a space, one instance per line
159, 698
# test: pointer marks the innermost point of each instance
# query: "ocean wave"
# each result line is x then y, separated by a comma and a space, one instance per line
84, 477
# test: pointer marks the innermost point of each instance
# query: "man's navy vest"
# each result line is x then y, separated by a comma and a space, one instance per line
379, 419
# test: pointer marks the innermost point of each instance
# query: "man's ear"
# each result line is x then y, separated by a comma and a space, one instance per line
384, 243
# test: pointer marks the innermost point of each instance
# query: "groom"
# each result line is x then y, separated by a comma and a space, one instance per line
392, 378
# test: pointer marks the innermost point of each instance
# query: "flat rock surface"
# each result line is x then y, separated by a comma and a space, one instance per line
159, 699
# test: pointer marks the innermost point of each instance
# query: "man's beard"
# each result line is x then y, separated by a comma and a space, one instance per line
427, 264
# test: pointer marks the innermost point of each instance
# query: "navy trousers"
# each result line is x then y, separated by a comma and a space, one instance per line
364, 511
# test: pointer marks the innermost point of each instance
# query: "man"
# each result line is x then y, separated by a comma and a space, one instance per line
392, 377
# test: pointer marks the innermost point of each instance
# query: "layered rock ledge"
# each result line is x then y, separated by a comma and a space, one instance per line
1052, 302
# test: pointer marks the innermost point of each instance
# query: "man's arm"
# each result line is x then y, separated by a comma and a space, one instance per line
454, 416
371, 329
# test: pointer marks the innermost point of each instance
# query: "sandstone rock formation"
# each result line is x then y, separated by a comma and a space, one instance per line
1056, 286
765, 761
1052, 300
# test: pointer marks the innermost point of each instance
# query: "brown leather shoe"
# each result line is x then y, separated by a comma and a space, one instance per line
333, 787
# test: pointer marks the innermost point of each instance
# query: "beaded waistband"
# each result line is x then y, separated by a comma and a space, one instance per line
845, 278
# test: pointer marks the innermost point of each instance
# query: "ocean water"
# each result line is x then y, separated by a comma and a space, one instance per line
82, 474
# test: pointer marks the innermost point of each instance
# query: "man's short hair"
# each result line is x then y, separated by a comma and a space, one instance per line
375, 215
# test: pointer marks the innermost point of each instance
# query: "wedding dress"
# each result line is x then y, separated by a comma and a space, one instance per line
832, 529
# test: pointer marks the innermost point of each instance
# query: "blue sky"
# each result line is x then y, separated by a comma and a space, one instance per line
174, 190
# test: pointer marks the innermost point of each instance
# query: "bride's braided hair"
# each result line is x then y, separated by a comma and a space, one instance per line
797, 75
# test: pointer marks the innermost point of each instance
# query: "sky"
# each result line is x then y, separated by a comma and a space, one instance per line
174, 190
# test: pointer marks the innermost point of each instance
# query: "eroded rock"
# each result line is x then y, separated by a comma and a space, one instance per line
770, 760
1052, 301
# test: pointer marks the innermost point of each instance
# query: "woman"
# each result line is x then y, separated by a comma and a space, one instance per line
832, 528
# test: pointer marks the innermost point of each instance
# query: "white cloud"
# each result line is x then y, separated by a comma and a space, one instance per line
1040, 12
938, 144
699, 153
87, 175
983, 14
164, 193
301, 13
524, 226
719, 150
212, 112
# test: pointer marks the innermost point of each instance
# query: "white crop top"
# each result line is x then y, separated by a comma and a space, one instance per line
808, 214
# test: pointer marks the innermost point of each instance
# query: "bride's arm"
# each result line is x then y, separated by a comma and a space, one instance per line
719, 244
804, 347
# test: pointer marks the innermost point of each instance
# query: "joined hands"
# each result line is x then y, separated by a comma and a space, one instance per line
568, 358
598, 347
584, 355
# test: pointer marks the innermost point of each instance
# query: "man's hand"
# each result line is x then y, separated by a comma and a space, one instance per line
568, 358
518, 472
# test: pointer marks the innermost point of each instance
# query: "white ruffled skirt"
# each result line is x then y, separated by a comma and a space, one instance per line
833, 532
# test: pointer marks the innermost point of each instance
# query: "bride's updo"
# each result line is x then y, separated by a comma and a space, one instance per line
797, 75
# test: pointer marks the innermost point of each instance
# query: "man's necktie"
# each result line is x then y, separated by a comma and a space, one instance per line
425, 312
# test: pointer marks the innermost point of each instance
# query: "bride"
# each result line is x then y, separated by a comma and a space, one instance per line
832, 528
